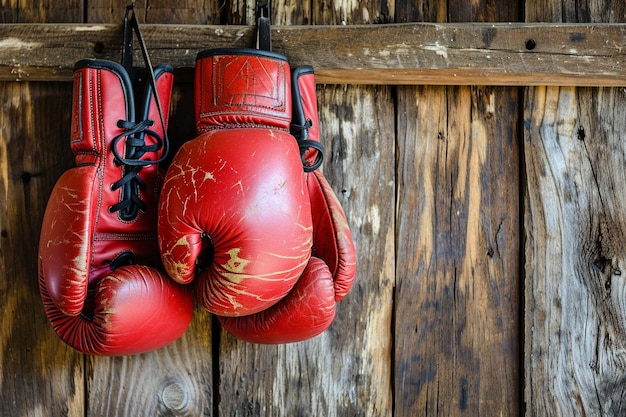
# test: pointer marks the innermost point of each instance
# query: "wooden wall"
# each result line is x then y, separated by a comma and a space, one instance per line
489, 225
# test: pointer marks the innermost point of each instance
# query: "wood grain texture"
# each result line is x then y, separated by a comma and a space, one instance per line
39, 374
576, 296
176, 380
411, 53
421, 11
32, 11
457, 290
572, 11
163, 11
346, 370
353, 12
574, 221
458, 233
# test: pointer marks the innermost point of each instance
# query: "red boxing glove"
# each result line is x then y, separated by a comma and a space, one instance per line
98, 253
309, 308
234, 213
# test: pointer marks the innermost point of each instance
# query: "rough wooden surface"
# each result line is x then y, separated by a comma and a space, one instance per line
203, 12
206, 372
575, 222
458, 246
458, 230
178, 379
576, 294
39, 375
411, 53
430, 178
346, 370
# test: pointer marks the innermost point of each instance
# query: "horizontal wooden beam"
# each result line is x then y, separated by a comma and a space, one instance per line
412, 53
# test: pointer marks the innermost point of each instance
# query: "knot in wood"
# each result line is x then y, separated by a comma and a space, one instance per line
175, 397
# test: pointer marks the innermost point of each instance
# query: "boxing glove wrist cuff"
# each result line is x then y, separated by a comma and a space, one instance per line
304, 125
240, 52
242, 88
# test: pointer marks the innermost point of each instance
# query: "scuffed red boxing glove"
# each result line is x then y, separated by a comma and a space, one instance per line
99, 274
235, 214
310, 307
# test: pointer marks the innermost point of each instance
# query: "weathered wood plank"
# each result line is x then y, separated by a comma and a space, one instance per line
357, 124
457, 270
421, 11
353, 13
347, 369
412, 53
176, 380
165, 11
600, 11
575, 294
39, 374
31, 11
457, 264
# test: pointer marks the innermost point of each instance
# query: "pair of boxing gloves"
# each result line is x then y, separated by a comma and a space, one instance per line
241, 211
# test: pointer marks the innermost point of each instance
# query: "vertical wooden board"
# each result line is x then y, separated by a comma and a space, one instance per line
164, 11
353, 12
112, 11
345, 370
39, 374
484, 11
458, 252
357, 123
422, 119
421, 11
291, 11
243, 12
176, 380
30, 11
576, 293
575, 338
457, 267
287, 12
572, 11
202, 12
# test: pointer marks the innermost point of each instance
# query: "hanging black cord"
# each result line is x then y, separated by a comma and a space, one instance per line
127, 46
263, 39
132, 22
134, 133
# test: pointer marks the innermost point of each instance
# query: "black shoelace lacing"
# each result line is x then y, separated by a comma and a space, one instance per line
131, 183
